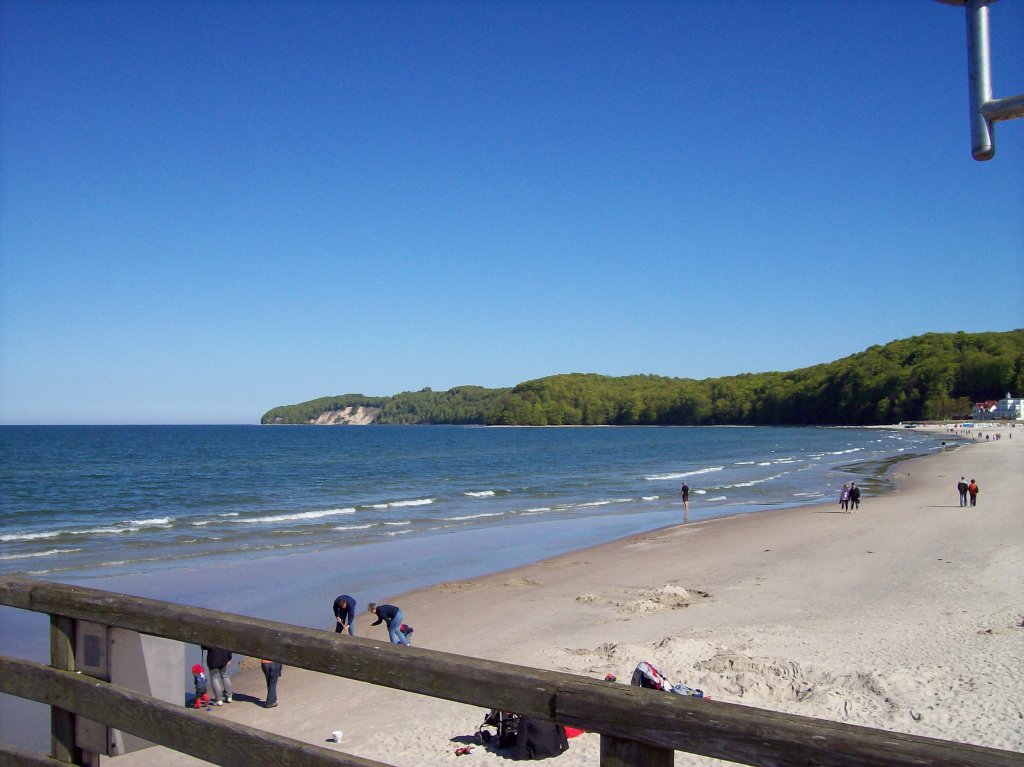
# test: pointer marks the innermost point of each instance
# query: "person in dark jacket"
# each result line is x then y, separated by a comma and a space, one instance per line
345, 615
854, 497
217, 661
392, 616
961, 487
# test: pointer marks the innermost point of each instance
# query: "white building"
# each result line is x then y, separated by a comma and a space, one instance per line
1007, 408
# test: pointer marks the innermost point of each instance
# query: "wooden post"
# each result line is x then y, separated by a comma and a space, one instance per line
617, 752
62, 723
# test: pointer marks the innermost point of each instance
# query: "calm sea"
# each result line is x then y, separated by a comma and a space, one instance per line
119, 500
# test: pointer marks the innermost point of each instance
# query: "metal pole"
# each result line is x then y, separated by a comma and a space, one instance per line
979, 79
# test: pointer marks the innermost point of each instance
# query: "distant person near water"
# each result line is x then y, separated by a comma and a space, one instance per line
844, 498
972, 490
392, 617
854, 497
345, 615
961, 487
685, 492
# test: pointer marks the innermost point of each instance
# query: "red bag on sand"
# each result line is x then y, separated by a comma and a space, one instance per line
572, 732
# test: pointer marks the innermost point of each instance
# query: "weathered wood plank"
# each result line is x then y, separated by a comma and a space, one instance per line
616, 752
62, 723
428, 672
754, 736
189, 731
726, 731
11, 756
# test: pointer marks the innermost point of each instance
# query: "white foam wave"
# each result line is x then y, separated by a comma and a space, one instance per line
481, 494
403, 523
649, 497
302, 515
752, 482
601, 503
33, 555
418, 502
399, 532
155, 522
743, 463
682, 474
354, 527
475, 516
29, 536
717, 498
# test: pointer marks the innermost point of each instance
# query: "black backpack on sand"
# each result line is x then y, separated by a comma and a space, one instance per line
539, 740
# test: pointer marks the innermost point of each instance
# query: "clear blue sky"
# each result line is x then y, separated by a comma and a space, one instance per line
208, 209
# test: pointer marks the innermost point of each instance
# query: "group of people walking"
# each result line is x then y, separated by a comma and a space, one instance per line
967, 490
849, 497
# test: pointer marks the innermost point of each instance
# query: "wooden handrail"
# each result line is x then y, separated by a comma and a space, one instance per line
186, 730
10, 756
721, 730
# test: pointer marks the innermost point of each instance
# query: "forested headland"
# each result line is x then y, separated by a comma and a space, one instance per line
935, 376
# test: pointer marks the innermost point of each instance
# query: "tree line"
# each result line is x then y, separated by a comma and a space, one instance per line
935, 376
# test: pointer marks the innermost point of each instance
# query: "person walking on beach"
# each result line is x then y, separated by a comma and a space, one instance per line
217, 661
844, 498
972, 490
685, 491
345, 615
854, 497
962, 488
392, 616
272, 672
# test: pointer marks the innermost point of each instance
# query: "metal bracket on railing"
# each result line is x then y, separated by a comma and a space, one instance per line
984, 109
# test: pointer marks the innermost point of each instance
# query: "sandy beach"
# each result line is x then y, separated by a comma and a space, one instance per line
906, 615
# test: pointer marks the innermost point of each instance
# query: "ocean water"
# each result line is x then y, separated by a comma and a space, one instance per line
92, 501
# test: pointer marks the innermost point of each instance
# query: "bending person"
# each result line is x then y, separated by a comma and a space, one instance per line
345, 615
392, 616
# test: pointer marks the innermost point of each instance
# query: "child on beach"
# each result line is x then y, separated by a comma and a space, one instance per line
199, 679
844, 498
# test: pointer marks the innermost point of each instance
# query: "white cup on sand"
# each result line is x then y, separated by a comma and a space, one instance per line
336, 736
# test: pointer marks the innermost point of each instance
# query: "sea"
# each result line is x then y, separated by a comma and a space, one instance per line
275, 521
87, 501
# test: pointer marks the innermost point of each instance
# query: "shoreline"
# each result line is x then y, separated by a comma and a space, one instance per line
905, 616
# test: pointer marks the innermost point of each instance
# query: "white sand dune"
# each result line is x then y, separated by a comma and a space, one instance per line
907, 616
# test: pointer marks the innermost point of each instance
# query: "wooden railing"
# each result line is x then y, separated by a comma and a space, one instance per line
638, 727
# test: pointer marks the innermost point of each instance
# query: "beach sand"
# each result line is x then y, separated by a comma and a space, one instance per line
905, 616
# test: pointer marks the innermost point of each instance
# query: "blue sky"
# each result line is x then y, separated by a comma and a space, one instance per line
208, 209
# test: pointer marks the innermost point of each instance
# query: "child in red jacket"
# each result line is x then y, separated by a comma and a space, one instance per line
199, 678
